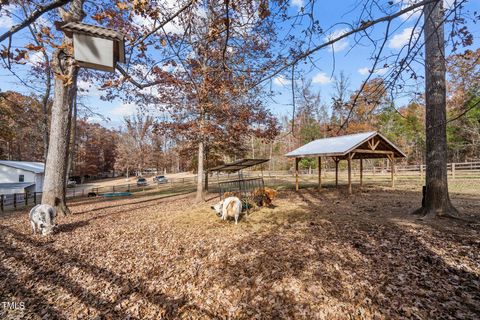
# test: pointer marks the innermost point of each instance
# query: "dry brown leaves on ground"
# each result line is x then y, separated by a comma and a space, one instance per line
313, 256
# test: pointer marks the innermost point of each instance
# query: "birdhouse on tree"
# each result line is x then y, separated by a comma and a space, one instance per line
96, 47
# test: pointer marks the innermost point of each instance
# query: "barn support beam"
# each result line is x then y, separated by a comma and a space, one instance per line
361, 172
372, 151
391, 157
319, 173
349, 160
336, 171
297, 160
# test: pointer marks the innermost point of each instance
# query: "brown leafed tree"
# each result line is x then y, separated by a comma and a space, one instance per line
21, 127
135, 149
95, 150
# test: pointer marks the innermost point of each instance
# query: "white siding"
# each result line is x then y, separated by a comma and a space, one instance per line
10, 175
39, 182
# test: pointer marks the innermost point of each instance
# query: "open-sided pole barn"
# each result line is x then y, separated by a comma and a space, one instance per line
367, 145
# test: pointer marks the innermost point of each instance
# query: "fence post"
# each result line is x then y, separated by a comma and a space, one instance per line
113, 188
15, 200
1, 202
421, 171
35, 198
453, 171
26, 198
128, 187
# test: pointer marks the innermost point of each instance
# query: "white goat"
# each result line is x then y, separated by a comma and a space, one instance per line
229, 207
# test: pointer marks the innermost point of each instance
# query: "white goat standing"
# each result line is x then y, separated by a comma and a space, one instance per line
230, 207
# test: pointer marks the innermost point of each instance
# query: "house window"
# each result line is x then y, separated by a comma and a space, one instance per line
21, 178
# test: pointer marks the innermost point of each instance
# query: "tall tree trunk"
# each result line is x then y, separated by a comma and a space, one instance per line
201, 153
253, 147
437, 200
54, 187
200, 194
45, 119
270, 163
73, 136
56, 167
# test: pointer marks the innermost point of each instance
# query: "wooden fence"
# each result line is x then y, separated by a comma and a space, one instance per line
456, 171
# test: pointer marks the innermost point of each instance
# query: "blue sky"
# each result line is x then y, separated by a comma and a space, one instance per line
354, 62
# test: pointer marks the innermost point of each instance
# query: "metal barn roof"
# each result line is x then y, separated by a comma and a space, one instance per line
35, 167
238, 165
16, 185
342, 145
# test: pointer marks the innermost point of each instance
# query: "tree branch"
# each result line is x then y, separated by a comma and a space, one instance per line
32, 17
135, 82
365, 25
163, 23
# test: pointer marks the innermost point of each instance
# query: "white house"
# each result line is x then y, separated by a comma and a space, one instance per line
21, 176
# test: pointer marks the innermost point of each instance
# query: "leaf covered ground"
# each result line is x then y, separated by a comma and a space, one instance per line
314, 256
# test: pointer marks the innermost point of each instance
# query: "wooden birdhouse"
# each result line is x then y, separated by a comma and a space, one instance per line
96, 47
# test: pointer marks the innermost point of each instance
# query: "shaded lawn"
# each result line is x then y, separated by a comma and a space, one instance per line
314, 256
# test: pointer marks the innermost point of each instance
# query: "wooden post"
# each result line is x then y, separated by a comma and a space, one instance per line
392, 168
349, 160
1, 202
361, 172
453, 171
26, 198
297, 160
336, 172
35, 198
15, 200
319, 173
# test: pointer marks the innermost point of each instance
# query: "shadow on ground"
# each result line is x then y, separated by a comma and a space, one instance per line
316, 255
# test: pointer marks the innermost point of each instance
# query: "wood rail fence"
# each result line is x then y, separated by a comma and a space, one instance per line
456, 171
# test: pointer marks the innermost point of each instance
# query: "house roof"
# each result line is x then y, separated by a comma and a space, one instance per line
342, 145
238, 165
16, 185
35, 167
